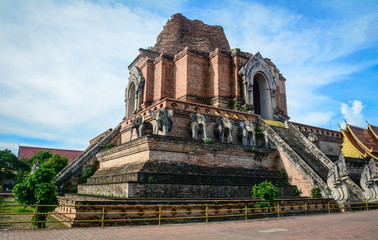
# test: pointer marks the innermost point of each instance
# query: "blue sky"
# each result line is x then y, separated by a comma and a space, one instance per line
63, 64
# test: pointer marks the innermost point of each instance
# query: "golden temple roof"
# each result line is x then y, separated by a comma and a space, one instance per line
364, 141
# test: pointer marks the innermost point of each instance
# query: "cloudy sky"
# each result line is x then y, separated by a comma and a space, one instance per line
63, 64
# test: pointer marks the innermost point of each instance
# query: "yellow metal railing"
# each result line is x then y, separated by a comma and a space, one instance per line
160, 213
275, 123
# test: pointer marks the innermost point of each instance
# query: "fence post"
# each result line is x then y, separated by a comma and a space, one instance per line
207, 213
159, 215
278, 210
367, 205
103, 216
305, 208
35, 216
329, 208
246, 211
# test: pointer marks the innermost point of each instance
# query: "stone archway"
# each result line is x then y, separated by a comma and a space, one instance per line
134, 92
131, 100
259, 86
261, 96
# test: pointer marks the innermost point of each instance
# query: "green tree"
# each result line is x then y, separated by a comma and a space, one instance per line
48, 160
9, 164
55, 162
266, 192
38, 189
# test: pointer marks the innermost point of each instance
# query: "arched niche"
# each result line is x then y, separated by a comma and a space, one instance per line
134, 92
131, 100
259, 86
261, 96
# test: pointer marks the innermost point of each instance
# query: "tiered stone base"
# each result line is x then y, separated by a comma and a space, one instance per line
151, 190
170, 167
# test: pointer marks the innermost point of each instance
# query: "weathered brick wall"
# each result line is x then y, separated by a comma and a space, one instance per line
295, 177
179, 32
181, 76
197, 70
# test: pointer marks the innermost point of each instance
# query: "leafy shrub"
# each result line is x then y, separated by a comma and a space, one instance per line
266, 192
315, 193
253, 148
259, 132
208, 140
108, 145
283, 173
87, 173
73, 189
296, 192
152, 179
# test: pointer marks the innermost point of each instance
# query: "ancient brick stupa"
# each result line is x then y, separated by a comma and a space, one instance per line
206, 121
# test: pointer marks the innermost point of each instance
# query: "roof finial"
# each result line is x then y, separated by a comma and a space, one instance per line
346, 123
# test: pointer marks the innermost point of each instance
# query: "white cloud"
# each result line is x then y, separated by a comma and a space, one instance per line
308, 51
353, 114
64, 66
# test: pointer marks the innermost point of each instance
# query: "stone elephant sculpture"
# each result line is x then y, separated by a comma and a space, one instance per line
198, 125
138, 125
247, 131
162, 120
223, 128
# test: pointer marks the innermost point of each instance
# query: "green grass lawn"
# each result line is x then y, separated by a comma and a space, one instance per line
26, 215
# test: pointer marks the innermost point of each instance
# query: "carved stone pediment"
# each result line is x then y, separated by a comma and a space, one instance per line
257, 77
257, 64
134, 92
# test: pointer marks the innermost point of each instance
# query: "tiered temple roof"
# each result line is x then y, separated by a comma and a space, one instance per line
359, 142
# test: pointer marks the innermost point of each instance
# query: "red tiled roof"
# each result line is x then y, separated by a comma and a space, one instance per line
28, 152
365, 137
374, 130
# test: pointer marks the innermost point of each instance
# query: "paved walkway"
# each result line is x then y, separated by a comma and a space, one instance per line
357, 225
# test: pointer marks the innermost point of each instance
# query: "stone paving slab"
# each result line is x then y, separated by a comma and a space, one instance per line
357, 225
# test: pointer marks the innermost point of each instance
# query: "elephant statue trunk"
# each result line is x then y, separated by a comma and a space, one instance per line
248, 131
223, 128
162, 120
138, 124
198, 125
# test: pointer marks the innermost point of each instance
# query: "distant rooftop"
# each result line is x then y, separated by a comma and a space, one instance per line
28, 152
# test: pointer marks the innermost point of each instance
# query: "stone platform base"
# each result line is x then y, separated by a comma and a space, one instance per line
156, 190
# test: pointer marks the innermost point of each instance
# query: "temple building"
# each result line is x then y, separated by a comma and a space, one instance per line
359, 142
203, 120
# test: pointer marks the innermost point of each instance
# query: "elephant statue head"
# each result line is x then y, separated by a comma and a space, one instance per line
198, 125
247, 131
223, 128
162, 120
138, 124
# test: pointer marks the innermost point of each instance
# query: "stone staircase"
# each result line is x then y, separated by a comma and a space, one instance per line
75, 167
313, 164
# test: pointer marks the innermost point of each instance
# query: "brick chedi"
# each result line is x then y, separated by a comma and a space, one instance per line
179, 32
202, 120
